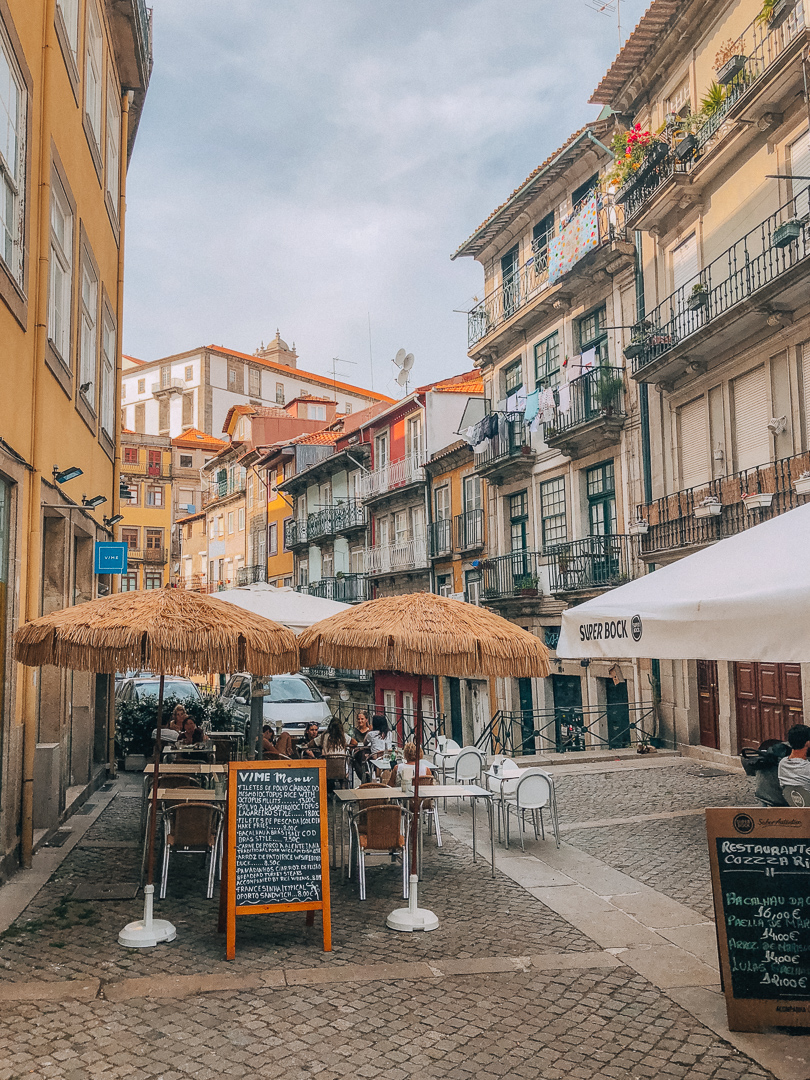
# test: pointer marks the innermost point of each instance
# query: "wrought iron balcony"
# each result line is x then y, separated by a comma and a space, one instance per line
250, 575
337, 674
393, 475
509, 576
470, 530
673, 525
295, 533
510, 451
595, 415
336, 519
131, 26
222, 489
565, 730
348, 589
546, 266
597, 562
162, 471
154, 556
397, 556
769, 262
441, 538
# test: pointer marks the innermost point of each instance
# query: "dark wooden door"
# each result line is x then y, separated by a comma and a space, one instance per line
618, 714
769, 701
708, 703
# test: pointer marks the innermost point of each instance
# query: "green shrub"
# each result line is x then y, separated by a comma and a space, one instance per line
136, 720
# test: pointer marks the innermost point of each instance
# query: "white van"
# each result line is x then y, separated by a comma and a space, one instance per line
293, 699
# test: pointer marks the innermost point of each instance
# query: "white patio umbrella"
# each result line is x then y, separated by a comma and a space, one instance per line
292, 609
744, 598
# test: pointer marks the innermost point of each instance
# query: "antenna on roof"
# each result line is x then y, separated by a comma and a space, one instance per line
337, 360
404, 361
608, 7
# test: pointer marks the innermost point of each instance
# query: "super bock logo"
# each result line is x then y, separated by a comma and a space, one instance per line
636, 628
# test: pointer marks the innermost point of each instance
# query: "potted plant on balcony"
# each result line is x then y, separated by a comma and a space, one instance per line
757, 500
639, 527
730, 61
639, 340
637, 153
698, 298
526, 584
609, 390
801, 485
786, 233
709, 507
774, 12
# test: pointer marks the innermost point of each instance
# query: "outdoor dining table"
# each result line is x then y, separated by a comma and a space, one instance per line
177, 795
177, 768
349, 796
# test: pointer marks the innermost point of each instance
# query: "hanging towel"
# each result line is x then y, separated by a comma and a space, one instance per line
532, 405
521, 400
548, 405
488, 426
565, 399
535, 424
574, 369
481, 448
512, 402
588, 361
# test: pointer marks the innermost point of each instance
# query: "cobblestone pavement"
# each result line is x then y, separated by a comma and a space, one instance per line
671, 855
521, 1019
578, 1025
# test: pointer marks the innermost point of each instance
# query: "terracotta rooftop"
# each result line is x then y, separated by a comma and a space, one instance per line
194, 439
471, 382
132, 359
514, 206
356, 420
190, 517
653, 23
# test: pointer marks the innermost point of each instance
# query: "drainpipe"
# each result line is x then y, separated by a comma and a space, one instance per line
601, 145
643, 389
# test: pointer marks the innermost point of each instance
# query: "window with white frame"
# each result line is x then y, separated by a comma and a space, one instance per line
13, 110
279, 393
316, 412
230, 522
348, 408
69, 10
272, 538
241, 519
94, 55
303, 574
154, 496
381, 450
60, 283
250, 493
88, 330
108, 339
327, 565
113, 163
254, 382
413, 437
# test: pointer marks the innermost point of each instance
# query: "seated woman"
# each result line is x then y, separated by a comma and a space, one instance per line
311, 744
409, 753
377, 740
189, 732
279, 746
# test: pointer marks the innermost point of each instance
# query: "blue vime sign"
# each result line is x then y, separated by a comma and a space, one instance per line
111, 558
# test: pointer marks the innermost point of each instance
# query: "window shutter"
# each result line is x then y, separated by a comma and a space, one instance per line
800, 166
693, 443
752, 442
684, 262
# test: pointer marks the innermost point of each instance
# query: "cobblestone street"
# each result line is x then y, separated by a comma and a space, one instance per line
517, 981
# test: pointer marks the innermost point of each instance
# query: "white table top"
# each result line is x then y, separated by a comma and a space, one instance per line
429, 791
182, 794
186, 768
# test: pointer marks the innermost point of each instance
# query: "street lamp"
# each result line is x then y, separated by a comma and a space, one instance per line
110, 521
61, 476
91, 504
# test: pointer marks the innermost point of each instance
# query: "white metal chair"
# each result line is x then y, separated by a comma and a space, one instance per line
504, 783
192, 829
444, 758
468, 768
533, 791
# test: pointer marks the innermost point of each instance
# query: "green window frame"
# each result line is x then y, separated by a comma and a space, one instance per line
592, 335
547, 361
518, 520
600, 485
554, 523
513, 377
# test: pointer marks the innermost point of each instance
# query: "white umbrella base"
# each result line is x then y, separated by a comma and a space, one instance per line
147, 932
412, 917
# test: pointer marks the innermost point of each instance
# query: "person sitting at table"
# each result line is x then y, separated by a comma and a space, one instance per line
310, 745
190, 733
377, 740
279, 746
178, 720
409, 753
362, 727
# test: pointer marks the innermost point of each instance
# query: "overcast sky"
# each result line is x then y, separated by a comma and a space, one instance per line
303, 164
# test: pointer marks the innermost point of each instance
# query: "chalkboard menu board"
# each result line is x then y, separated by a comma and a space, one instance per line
761, 879
277, 850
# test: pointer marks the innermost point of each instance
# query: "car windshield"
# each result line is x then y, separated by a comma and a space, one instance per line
185, 690
291, 690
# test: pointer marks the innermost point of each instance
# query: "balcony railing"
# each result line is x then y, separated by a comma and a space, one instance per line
340, 674
672, 523
564, 730
758, 258
470, 530
295, 533
250, 575
513, 575
546, 266
597, 395
155, 556
395, 474
441, 537
348, 589
336, 519
762, 45
597, 562
221, 490
400, 555
511, 442
144, 468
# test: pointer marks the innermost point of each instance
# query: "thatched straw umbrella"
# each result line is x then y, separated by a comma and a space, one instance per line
423, 634
166, 631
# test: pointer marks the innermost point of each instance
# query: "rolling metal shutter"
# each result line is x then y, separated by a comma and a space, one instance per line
752, 441
684, 262
693, 443
800, 167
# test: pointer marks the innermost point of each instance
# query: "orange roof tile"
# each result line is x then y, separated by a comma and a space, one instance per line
132, 359
301, 373
194, 439
634, 53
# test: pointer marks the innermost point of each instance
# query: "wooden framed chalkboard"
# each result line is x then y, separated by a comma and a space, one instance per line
277, 850
760, 859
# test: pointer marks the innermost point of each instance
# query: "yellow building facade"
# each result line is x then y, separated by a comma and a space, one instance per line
74, 77
280, 559
146, 525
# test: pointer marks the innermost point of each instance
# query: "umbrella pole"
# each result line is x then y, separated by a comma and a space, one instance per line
148, 932
413, 917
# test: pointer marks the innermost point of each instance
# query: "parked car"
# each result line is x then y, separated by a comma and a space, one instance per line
293, 699
122, 676
138, 688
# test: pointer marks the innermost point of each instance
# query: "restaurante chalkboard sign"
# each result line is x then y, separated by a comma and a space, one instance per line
277, 856
760, 860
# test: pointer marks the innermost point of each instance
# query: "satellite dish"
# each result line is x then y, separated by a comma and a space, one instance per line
402, 378
407, 363
400, 358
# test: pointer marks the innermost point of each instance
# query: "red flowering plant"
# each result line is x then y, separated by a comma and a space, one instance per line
630, 148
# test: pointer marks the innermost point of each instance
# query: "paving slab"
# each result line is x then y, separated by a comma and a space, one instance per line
175, 986
61, 990
358, 973
655, 910
594, 916
666, 966
699, 940
531, 872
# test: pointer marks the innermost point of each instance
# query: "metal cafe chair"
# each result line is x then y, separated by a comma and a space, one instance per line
467, 769
380, 829
339, 770
533, 792
192, 829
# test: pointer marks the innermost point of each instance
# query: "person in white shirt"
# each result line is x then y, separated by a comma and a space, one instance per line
794, 771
